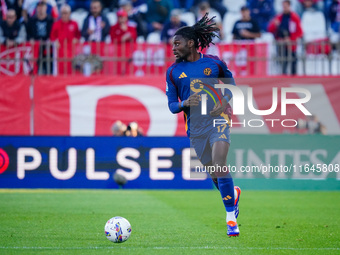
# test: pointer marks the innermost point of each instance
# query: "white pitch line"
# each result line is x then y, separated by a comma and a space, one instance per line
169, 247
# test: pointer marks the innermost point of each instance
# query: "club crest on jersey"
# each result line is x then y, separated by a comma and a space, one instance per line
207, 71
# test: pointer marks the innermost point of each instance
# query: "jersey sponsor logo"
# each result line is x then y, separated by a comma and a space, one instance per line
183, 75
197, 86
207, 71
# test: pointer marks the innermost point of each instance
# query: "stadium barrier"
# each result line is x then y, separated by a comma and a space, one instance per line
142, 59
256, 161
88, 106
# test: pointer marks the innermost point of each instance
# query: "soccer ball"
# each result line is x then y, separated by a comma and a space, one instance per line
117, 229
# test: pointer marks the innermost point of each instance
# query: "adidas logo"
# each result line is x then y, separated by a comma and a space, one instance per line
183, 75
227, 198
223, 136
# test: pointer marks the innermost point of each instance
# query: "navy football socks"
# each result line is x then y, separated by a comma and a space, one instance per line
226, 188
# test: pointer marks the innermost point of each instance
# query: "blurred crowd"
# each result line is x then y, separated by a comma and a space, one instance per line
123, 21
23, 20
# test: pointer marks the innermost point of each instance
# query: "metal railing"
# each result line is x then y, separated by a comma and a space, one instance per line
243, 58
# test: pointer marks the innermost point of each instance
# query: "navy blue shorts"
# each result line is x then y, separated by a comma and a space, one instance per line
203, 144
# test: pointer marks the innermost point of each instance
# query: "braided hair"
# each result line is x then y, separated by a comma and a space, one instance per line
202, 32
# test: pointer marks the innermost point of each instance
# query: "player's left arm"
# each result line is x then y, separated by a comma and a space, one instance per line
226, 78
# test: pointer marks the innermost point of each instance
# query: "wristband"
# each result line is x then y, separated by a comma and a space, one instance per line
182, 104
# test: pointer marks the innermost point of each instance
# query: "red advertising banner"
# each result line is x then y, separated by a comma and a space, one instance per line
15, 105
88, 106
136, 59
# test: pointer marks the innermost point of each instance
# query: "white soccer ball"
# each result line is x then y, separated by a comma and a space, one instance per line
117, 229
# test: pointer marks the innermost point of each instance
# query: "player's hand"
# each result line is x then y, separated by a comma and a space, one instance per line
193, 100
218, 108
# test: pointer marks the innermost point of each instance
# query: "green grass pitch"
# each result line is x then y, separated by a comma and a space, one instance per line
168, 222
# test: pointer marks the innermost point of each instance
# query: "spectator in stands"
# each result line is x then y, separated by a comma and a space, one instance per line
334, 15
203, 8
15, 5
172, 26
185, 5
140, 5
79, 4
65, 29
287, 29
246, 28
39, 28
29, 8
262, 11
96, 25
122, 32
219, 7
158, 13
135, 17
304, 5
12, 32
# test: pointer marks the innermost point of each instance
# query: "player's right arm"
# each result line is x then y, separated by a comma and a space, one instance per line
172, 94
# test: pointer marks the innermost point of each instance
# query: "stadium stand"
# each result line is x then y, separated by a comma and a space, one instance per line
112, 17
266, 37
154, 37
234, 6
278, 5
79, 16
228, 23
314, 32
188, 17
316, 24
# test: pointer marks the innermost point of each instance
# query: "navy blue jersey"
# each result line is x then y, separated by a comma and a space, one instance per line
186, 78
